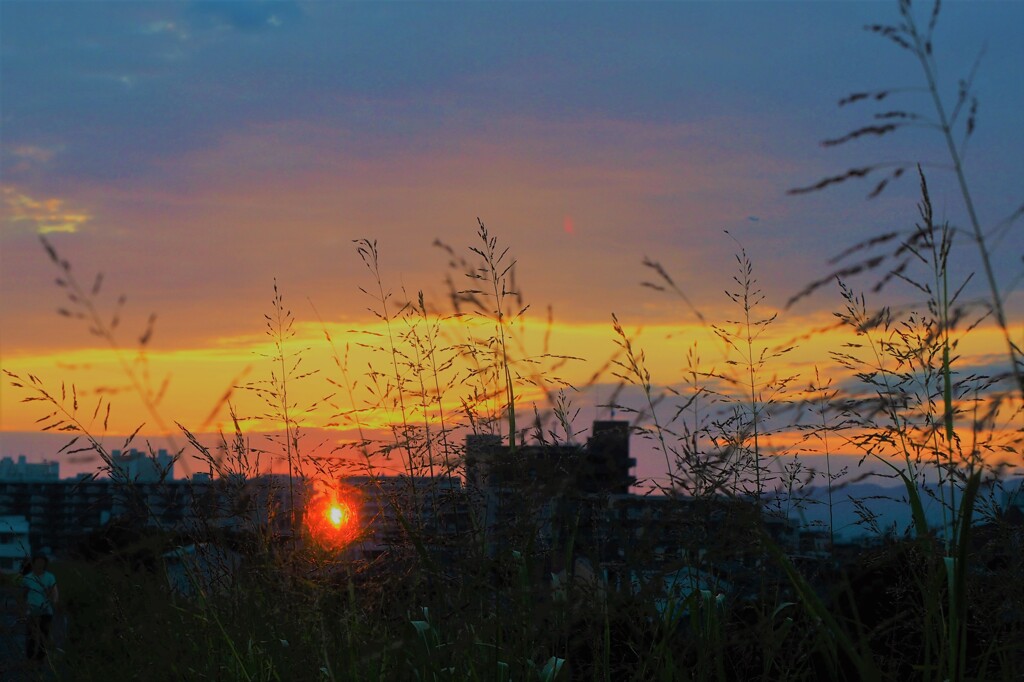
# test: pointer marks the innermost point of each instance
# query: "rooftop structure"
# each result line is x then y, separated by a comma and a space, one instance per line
143, 467
547, 492
602, 466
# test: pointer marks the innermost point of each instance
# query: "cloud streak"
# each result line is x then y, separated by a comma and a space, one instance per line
42, 216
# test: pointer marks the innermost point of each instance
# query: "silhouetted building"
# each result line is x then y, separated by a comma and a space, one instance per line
23, 470
601, 467
1013, 498
143, 467
554, 494
389, 507
14, 542
60, 513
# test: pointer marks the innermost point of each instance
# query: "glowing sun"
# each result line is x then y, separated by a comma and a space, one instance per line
331, 520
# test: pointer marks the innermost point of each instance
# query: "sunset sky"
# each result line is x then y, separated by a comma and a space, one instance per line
196, 152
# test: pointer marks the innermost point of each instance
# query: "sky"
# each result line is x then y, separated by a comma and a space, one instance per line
195, 153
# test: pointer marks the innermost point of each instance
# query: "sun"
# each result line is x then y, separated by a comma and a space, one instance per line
332, 520
337, 515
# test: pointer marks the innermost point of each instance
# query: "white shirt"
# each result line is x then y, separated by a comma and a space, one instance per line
38, 592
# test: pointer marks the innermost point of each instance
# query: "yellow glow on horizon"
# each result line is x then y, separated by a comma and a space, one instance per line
201, 378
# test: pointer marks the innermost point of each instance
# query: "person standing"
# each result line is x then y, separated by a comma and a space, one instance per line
39, 592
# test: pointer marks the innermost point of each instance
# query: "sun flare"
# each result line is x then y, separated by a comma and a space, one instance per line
331, 520
337, 516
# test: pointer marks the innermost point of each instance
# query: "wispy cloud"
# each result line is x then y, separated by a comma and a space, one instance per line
33, 153
247, 16
26, 160
43, 216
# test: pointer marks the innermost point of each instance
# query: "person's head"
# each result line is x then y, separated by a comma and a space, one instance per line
39, 563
